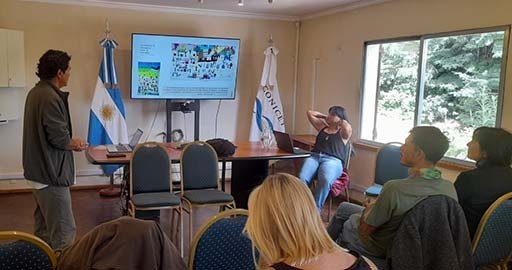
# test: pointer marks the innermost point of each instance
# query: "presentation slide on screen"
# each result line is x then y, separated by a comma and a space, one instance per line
173, 67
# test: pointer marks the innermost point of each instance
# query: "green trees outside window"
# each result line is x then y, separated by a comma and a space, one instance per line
453, 82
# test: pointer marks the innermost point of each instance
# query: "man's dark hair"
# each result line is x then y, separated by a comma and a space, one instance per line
495, 145
431, 141
339, 111
51, 62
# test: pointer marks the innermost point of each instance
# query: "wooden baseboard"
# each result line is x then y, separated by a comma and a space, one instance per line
73, 188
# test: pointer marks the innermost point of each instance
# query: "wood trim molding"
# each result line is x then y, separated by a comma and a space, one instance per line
72, 188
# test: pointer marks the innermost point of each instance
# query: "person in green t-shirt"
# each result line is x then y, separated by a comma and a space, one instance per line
370, 231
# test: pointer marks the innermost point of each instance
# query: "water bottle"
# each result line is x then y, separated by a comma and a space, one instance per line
266, 137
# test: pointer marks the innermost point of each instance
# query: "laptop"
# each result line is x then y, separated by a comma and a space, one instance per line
285, 143
126, 148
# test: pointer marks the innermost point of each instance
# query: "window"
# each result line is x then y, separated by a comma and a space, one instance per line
451, 81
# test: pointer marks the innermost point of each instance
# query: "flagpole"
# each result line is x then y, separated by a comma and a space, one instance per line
112, 190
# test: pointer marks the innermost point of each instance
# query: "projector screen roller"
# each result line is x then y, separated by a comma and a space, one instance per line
180, 67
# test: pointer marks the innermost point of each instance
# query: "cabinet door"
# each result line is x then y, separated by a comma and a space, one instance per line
16, 58
4, 76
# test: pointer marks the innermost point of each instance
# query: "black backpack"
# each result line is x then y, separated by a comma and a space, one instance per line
223, 147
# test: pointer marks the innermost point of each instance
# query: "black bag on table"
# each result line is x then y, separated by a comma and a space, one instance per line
223, 147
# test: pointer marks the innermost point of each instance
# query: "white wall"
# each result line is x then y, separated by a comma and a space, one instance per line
77, 30
336, 43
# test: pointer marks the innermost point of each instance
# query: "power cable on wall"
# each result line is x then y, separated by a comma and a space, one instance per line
153, 123
217, 117
184, 127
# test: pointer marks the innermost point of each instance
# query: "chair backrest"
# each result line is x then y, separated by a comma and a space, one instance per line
199, 166
221, 244
150, 169
493, 237
26, 252
387, 164
348, 155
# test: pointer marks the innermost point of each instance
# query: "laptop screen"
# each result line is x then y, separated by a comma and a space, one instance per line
136, 137
284, 141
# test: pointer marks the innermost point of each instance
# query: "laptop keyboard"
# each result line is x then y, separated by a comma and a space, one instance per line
121, 148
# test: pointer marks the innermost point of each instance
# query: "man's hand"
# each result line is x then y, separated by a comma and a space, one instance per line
364, 228
77, 145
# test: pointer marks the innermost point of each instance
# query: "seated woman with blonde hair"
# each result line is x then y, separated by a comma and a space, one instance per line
285, 227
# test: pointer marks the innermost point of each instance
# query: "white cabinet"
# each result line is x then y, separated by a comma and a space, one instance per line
12, 58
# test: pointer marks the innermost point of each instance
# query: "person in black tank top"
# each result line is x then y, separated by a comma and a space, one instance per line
329, 153
288, 232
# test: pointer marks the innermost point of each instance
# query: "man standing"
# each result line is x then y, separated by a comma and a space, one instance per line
370, 231
47, 150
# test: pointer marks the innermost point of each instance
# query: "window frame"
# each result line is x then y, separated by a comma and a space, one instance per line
421, 77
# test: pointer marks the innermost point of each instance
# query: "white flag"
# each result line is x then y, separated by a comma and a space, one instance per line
268, 110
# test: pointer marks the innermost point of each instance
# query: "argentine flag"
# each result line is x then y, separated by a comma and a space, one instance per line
107, 123
268, 110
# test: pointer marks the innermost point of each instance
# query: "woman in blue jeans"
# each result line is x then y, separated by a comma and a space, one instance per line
329, 153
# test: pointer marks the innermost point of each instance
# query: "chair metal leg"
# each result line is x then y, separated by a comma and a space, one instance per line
330, 206
181, 233
177, 232
347, 194
190, 225
131, 209
173, 230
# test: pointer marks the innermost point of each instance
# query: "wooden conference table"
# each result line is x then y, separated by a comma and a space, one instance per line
249, 164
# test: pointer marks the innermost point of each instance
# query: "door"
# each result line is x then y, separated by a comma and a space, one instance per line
16, 58
4, 74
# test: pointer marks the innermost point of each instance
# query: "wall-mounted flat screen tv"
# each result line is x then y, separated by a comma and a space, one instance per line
184, 68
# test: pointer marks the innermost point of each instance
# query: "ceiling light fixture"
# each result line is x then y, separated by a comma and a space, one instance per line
240, 3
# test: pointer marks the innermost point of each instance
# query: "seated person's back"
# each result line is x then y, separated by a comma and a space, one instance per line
125, 243
477, 189
398, 197
372, 231
287, 230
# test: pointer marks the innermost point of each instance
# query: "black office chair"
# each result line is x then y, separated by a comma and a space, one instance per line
387, 167
150, 185
199, 180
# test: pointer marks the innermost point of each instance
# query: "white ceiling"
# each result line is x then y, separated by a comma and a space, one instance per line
279, 9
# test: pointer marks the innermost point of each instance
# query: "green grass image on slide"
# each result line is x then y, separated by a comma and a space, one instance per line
149, 73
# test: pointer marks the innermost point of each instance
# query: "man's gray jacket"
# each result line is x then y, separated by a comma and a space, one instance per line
46, 136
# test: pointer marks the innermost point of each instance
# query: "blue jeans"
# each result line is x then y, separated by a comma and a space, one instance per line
327, 168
